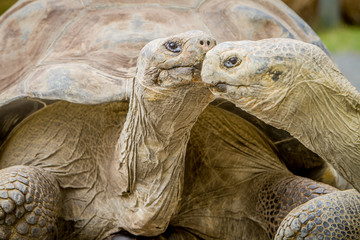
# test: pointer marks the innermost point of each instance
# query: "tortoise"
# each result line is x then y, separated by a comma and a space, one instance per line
55, 149
53, 64
296, 87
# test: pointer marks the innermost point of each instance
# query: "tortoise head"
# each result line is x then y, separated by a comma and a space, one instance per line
258, 75
171, 64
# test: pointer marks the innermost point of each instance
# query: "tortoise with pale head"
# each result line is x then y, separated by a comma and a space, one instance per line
67, 70
55, 149
296, 87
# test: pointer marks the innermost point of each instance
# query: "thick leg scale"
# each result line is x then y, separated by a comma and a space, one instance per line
332, 216
28, 203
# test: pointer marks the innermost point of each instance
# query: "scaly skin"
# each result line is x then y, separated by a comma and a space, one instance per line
294, 86
332, 216
29, 203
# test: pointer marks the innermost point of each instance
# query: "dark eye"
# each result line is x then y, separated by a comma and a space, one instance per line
173, 46
231, 62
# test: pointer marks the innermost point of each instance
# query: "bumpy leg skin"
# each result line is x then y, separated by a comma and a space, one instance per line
28, 203
332, 216
279, 196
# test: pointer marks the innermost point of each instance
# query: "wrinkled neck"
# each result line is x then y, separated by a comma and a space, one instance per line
157, 129
324, 115
154, 144
152, 148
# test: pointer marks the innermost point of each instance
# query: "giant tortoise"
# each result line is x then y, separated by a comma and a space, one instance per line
66, 64
98, 153
296, 87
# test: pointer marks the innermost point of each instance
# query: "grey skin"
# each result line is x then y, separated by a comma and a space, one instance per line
107, 168
296, 87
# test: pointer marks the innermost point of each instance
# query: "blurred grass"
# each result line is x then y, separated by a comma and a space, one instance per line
343, 38
5, 4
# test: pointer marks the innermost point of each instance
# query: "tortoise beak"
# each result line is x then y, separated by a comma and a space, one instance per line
198, 66
197, 72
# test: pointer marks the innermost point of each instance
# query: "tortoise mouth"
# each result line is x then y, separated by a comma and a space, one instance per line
220, 87
223, 86
194, 71
180, 75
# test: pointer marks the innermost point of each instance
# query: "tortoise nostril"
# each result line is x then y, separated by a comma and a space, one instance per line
206, 43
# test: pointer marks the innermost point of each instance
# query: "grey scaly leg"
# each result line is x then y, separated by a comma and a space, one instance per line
280, 195
332, 216
28, 203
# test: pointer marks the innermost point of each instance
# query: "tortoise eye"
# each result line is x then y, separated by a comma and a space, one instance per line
173, 47
232, 62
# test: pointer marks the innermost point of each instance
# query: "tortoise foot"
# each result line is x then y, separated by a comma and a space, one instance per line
28, 200
331, 216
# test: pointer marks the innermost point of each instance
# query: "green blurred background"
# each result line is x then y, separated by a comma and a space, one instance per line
337, 22
5, 4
